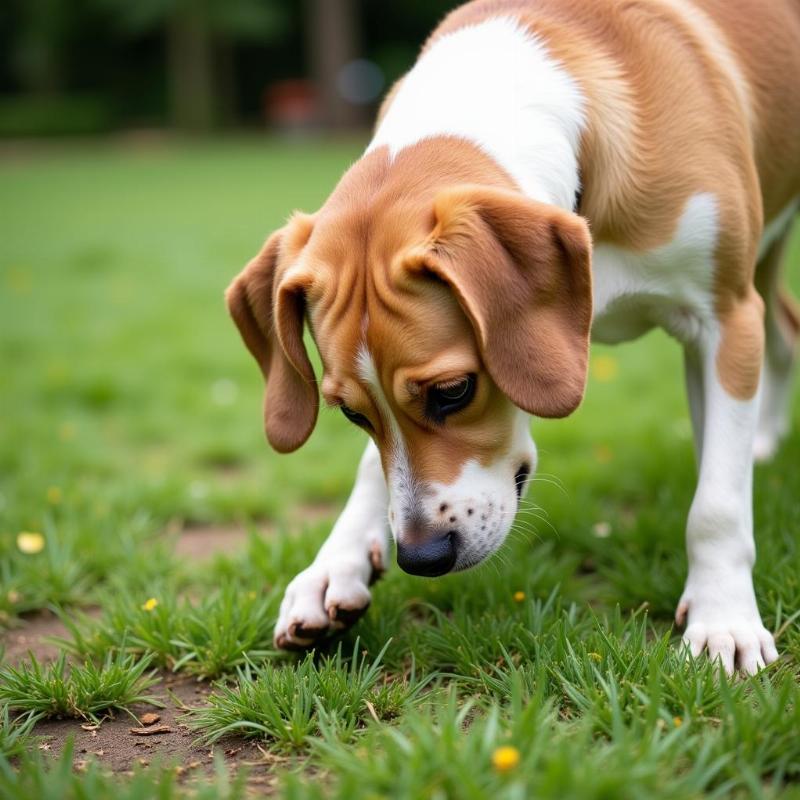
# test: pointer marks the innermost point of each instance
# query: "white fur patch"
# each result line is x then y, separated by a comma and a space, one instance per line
495, 85
481, 503
670, 285
403, 488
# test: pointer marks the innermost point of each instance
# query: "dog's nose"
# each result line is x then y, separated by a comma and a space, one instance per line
431, 558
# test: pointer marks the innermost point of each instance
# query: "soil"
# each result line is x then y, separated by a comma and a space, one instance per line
111, 743
114, 746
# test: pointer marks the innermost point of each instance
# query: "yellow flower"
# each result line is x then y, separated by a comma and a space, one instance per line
504, 759
150, 604
30, 543
605, 368
596, 656
519, 597
54, 495
677, 722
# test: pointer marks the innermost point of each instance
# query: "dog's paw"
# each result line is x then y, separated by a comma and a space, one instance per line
327, 597
727, 627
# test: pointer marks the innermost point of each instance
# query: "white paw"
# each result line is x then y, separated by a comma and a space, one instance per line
328, 596
727, 625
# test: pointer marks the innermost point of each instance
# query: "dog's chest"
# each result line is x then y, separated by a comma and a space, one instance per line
670, 286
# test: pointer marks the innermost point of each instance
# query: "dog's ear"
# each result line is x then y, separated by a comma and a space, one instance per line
267, 303
521, 271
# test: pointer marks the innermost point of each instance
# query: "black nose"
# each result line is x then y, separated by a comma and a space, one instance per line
431, 558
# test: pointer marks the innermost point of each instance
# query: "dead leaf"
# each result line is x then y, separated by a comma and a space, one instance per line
371, 709
150, 718
150, 731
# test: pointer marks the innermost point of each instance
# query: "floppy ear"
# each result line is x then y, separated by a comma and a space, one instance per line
267, 303
521, 271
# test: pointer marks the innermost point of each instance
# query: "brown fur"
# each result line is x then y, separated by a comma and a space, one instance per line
677, 103
658, 80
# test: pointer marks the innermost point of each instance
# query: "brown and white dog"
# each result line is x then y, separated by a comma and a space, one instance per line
451, 283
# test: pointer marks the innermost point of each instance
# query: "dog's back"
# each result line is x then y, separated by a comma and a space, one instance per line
638, 62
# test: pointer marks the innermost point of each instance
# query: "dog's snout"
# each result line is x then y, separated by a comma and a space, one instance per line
430, 558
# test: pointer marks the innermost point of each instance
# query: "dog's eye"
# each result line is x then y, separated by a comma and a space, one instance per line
447, 398
355, 417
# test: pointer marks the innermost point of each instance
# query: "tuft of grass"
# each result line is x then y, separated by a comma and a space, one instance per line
285, 705
448, 751
57, 690
208, 637
48, 779
15, 733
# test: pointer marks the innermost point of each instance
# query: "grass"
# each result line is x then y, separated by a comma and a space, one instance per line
286, 707
57, 780
85, 692
133, 411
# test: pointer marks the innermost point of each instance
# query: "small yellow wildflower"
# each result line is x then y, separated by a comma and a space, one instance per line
29, 542
54, 495
251, 595
150, 604
596, 656
605, 369
519, 597
677, 722
504, 759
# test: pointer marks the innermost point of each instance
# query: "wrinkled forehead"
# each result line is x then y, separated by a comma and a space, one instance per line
412, 332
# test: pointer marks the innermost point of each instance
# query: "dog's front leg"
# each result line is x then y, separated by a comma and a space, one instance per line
333, 592
718, 603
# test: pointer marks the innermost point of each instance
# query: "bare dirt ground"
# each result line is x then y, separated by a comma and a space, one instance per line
111, 743
168, 740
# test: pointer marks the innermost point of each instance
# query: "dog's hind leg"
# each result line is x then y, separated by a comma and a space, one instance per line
782, 327
333, 592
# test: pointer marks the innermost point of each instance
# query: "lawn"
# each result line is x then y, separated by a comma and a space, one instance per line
147, 532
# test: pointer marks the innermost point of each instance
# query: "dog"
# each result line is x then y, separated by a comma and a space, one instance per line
549, 171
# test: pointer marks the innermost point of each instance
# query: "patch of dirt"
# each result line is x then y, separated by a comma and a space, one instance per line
32, 637
202, 542
114, 747
199, 542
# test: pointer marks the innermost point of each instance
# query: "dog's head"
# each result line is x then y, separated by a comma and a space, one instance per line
443, 317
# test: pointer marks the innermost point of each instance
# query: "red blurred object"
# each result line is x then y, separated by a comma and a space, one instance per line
291, 104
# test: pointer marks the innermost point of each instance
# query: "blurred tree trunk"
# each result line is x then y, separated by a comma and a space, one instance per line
333, 41
190, 63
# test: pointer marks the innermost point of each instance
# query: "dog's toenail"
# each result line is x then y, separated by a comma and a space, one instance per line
347, 616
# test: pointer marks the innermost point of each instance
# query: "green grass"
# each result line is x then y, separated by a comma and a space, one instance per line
129, 408
287, 707
88, 691
37, 777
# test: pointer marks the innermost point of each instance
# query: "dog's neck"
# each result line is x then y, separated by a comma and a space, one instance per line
496, 86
